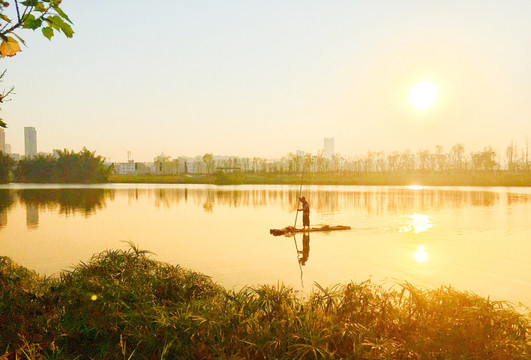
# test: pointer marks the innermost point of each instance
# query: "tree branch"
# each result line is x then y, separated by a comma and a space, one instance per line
20, 21
30, 8
18, 11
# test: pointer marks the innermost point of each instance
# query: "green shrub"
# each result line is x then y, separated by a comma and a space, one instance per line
123, 304
67, 167
6, 165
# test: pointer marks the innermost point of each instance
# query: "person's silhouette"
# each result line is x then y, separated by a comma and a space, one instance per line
305, 213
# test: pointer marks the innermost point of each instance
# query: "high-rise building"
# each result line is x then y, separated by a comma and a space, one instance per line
7, 149
2, 140
30, 142
328, 148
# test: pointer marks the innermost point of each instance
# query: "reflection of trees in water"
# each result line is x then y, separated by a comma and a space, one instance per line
85, 201
399, 199
375, 200
381, 200
6, 199
518, 198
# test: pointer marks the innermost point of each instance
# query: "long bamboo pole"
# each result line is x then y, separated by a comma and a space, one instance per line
295, 224
299, 197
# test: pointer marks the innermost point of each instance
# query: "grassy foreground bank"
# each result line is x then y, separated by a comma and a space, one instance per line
468, 178
125, 305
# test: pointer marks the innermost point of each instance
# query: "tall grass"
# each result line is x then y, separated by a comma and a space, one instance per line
441, 178
123, 304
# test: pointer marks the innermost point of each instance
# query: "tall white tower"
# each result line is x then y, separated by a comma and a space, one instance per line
30, 141
328, 148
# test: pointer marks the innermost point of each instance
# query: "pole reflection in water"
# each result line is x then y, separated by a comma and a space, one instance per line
298, 259
302, 255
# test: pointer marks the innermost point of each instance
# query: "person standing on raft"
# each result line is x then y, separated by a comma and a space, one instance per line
305, 213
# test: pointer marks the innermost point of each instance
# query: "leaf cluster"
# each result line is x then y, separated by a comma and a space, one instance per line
46, 15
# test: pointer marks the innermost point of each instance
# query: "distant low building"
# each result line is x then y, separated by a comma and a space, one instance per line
143, 168
127, 168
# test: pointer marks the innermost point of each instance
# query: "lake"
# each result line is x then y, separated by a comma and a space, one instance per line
474, 239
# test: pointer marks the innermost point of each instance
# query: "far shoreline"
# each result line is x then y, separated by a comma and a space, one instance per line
481, 179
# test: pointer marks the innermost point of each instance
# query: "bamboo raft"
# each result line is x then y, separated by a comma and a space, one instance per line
291, 230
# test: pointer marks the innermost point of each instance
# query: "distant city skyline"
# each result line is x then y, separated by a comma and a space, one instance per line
328, 149
30, 144
30, 148
264, 79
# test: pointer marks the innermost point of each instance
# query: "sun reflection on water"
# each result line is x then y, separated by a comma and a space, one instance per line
417, 223
420, 254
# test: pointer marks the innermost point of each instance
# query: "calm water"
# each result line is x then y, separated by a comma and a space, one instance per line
476, 239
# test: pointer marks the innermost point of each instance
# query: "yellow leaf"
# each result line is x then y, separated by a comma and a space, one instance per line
9, 47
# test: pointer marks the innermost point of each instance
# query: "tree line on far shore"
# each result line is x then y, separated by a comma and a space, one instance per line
87, 167
63, 167
514, 159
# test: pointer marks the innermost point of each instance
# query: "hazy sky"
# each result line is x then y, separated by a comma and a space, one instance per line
265, 78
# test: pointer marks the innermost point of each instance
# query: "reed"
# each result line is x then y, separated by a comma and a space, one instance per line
440, 178
122, 304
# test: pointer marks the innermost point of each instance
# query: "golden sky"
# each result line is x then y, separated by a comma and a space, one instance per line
265, 78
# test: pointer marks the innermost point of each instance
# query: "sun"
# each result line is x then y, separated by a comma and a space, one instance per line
423, 94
